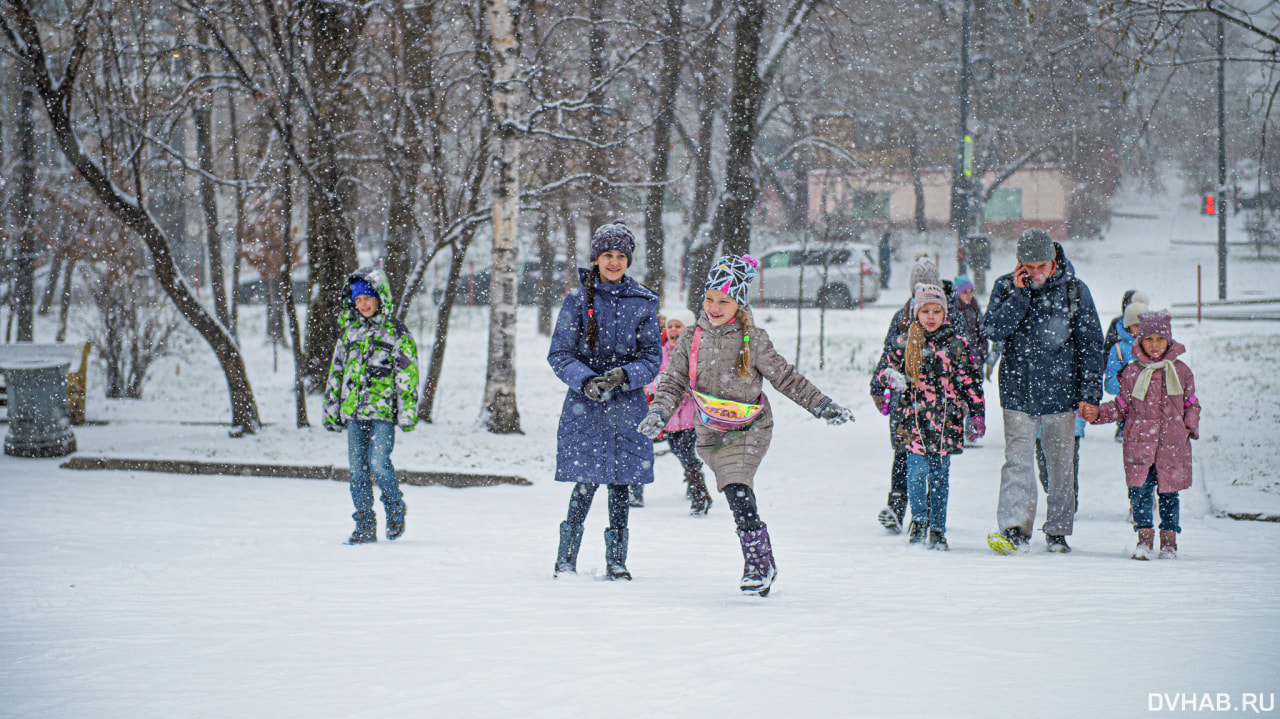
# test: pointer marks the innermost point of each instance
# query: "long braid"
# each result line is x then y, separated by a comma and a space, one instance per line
911, 356
593, 327
744, 355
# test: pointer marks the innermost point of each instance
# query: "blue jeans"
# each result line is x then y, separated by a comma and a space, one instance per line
1140, 500
931, 475
369, 444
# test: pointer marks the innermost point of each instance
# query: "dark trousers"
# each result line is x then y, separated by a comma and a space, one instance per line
684, 445
898, 484
1140, 501
1042, 465
742, 501
580, 504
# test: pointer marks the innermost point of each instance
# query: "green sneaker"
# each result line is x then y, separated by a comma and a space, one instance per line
1010, 541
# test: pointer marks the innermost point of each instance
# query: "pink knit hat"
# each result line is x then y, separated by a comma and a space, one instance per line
1155, 323
927, 294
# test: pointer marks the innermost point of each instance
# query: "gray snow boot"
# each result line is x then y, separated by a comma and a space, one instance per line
567, 555
615, 554
917, 530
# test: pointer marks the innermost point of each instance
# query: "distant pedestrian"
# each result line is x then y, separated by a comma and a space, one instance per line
886, 259
605, 347
372, 389
938, 387
1158, 402
1051, 367
724, 361
679, 431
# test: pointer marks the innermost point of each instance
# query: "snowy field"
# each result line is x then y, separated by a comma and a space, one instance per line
151, 595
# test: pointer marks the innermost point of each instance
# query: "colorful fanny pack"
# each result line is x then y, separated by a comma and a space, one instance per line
722, 415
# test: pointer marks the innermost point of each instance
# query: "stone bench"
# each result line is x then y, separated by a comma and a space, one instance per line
74, 353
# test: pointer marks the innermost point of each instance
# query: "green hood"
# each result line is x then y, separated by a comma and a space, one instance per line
378, 279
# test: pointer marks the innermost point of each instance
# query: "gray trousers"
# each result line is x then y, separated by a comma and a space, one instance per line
1018, 486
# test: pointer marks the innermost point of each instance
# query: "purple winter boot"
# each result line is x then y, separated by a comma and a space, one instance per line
759, 571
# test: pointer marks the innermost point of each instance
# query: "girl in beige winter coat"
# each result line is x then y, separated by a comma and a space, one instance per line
724, 360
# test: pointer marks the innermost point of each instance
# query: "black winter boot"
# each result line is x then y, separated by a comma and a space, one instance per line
937, 540
395, 520
700, 498
615, 554
916, 530
1056, 543
366, 528
567, 555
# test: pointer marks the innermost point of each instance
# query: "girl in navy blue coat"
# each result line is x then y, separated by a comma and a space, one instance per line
606, 347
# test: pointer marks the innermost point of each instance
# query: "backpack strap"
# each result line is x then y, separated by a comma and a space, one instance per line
1073, 299
693, 359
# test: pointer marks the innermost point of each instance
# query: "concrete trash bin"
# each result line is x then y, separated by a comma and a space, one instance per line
38, 422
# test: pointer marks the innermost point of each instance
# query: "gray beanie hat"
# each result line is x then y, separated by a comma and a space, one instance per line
613, 236
1035, 245
923, 272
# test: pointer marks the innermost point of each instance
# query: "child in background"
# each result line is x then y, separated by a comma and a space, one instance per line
1120, 334
372, 388
679, 431
1121, 352
724, 360
1158, 402
932, 371
969, 321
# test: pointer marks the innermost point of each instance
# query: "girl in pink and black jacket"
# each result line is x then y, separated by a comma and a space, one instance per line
1161, 414
936, 387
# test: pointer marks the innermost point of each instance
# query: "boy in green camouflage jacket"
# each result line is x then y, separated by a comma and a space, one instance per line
373, 386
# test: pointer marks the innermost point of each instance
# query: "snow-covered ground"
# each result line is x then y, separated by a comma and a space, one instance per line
151, 595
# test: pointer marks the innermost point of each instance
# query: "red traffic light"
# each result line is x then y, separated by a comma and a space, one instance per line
1209, 207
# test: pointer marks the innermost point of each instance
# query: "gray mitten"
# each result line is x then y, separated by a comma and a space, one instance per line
832, 412
652, 424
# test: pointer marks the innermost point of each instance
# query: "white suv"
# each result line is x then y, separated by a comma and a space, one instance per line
834, 275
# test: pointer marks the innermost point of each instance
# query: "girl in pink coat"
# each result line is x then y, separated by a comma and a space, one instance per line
679, 431
1161, 414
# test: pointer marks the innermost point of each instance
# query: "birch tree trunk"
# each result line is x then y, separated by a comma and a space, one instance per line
501, 414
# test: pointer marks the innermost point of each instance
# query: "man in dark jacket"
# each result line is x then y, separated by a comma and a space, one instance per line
1052, 367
